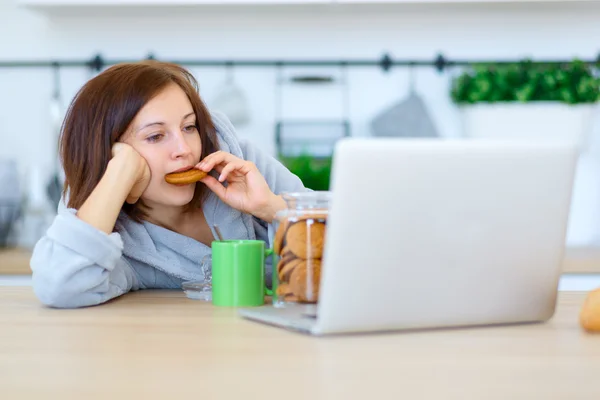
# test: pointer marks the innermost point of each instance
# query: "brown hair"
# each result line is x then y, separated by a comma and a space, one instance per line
102, 111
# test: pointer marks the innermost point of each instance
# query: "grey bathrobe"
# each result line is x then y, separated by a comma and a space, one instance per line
76, 265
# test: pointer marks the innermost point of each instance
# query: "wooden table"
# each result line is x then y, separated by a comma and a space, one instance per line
15, 261
159, 344
578, 260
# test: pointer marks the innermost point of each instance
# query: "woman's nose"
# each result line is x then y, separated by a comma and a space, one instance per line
182, 148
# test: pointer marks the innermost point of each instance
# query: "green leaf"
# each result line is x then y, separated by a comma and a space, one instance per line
314, 172
526, 81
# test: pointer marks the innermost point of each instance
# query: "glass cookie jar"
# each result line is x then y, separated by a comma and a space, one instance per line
298, 245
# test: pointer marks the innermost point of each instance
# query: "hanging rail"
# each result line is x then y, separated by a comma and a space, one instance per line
386, 62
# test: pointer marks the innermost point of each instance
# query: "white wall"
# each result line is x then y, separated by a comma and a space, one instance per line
405, 31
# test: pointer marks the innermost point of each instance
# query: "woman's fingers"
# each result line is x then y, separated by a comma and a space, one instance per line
218, 168
215, 186
216, 158
118, 146
224, 163
233, 166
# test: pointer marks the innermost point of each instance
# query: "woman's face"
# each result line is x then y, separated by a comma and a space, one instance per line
164, 133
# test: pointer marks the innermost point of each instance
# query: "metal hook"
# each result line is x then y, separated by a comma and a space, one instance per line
278, 106
386, 62
411, 78
440, 63
96, 63
345, 90
229, 71
278, 90
57, 85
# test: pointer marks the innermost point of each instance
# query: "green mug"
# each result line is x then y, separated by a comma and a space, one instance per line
238, 273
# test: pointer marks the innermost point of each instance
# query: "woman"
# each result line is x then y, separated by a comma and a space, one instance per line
120, 225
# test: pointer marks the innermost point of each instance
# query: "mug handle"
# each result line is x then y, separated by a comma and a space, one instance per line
268, 252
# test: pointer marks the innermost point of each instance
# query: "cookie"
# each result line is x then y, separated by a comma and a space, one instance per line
589, 316
287, 268
284, 289
285, 256
305, 280
279, 235
290, 218
291, 298
185, 177
306, 239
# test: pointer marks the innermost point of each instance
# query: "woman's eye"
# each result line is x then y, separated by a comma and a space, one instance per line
154, 138
190, 128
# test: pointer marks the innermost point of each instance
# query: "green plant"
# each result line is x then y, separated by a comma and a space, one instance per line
573, 82
314, 172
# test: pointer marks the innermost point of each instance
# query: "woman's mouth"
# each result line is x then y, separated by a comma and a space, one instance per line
182, 169
185, 177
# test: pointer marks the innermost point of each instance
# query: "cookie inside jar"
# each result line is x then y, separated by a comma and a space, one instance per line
299, 244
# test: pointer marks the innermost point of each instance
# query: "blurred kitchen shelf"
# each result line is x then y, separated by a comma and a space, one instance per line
141, 8
456, 1
15, 261
578, 260
582, 260
171, 3
175, 3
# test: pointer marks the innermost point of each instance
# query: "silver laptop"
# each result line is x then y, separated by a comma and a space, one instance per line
433, 233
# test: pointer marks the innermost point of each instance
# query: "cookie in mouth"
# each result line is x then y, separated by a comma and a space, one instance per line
185, 177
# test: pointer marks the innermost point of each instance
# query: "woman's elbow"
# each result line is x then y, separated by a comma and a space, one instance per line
53, 293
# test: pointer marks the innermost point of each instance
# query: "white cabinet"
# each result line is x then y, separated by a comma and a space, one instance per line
174, 3
454, 1
96, 3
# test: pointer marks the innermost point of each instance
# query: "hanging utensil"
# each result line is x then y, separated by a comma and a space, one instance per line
306, 146
407, 118
231, 100
54, 186
319, 79
312, 138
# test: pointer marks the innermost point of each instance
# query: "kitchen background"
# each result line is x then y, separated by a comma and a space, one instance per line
267, 103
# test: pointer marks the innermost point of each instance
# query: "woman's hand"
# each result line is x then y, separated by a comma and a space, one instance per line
134, 167
125, 179
246, 189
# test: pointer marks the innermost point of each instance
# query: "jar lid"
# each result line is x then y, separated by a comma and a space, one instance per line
308, 200
308, 195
